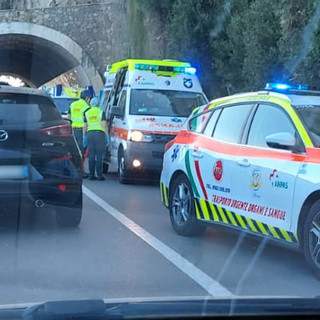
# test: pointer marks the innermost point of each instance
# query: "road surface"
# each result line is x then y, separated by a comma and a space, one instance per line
125, 247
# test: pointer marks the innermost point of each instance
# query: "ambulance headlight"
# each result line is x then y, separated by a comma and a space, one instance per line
138, 136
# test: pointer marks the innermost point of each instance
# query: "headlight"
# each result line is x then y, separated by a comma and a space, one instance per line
138, 136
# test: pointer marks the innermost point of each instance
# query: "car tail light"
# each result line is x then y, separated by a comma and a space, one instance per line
169, 145
63, 130
62, 187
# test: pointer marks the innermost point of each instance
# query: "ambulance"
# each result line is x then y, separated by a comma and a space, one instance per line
63, 96
146, 104
250, 162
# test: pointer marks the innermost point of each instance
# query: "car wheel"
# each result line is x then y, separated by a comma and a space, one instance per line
123, 172
182, 208
69, 217
312, 238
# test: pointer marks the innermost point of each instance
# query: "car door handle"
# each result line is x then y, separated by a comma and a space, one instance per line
197, 154
244, 163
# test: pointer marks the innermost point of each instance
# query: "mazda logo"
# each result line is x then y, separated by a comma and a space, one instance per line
3, 135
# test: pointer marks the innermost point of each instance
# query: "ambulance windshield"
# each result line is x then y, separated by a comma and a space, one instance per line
164, 102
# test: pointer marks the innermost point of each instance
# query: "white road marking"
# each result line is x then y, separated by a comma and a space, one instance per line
213, 287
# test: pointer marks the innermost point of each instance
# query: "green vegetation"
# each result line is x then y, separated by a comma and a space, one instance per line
137, 28
240, 45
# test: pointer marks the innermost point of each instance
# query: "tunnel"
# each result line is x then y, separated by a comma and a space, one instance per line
37, 54
36, 61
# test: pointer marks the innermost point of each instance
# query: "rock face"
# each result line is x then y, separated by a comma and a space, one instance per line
32, 4
99, 28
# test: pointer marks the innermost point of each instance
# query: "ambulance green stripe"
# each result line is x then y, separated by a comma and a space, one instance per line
193, 185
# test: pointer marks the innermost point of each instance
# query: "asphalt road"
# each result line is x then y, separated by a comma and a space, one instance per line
125, 247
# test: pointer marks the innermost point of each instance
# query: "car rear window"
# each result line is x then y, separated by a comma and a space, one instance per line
26, 108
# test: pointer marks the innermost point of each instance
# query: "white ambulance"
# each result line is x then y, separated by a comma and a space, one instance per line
146, 104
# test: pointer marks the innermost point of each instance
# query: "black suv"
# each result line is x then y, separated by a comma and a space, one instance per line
40, 162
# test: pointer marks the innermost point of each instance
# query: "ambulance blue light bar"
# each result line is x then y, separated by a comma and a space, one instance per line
190, 70
150, 67
285, 86
146, 67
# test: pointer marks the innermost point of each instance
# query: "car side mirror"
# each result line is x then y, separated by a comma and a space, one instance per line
117, 112
283, 140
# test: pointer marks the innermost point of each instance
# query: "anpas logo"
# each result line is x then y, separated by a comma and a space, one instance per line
255, 182
275, 182
218, 170
139, 78
187, 82
142, 81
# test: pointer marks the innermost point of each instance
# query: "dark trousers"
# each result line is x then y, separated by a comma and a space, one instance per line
96, 141
78, 135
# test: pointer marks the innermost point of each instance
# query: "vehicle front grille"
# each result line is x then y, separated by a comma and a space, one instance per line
157, 154
162, 138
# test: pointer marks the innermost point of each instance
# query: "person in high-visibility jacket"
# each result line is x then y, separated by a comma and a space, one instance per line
95, 137
75, 114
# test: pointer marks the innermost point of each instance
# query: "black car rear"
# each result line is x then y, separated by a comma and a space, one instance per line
40, 163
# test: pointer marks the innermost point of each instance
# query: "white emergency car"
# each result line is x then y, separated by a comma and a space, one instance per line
63, 96
146, 104
250, 162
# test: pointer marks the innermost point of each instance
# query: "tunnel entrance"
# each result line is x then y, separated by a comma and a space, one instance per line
34, 59
37, 55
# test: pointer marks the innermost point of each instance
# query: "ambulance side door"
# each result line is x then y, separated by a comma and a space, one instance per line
114, 115
266, 174
119, 126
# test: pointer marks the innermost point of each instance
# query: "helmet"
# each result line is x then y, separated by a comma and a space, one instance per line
94, 102
85, 93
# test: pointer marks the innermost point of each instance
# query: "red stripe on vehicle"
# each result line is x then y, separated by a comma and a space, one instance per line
196, 163
210, 144
205, 116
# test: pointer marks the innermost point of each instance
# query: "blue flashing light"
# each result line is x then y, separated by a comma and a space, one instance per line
146, 67
282, 86
190, 70
285, 86
149, 67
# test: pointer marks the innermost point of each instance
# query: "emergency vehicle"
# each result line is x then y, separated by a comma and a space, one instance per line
250, 162
63, 96
146, 104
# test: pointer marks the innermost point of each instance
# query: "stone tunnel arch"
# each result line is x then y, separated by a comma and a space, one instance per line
38, 54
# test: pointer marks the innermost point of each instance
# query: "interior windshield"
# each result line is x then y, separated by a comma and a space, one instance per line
164, 102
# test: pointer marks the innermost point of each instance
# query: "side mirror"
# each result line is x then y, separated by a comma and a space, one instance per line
283, 140
117, 112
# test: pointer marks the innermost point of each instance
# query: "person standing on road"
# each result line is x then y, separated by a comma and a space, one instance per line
75, 114
95, 130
